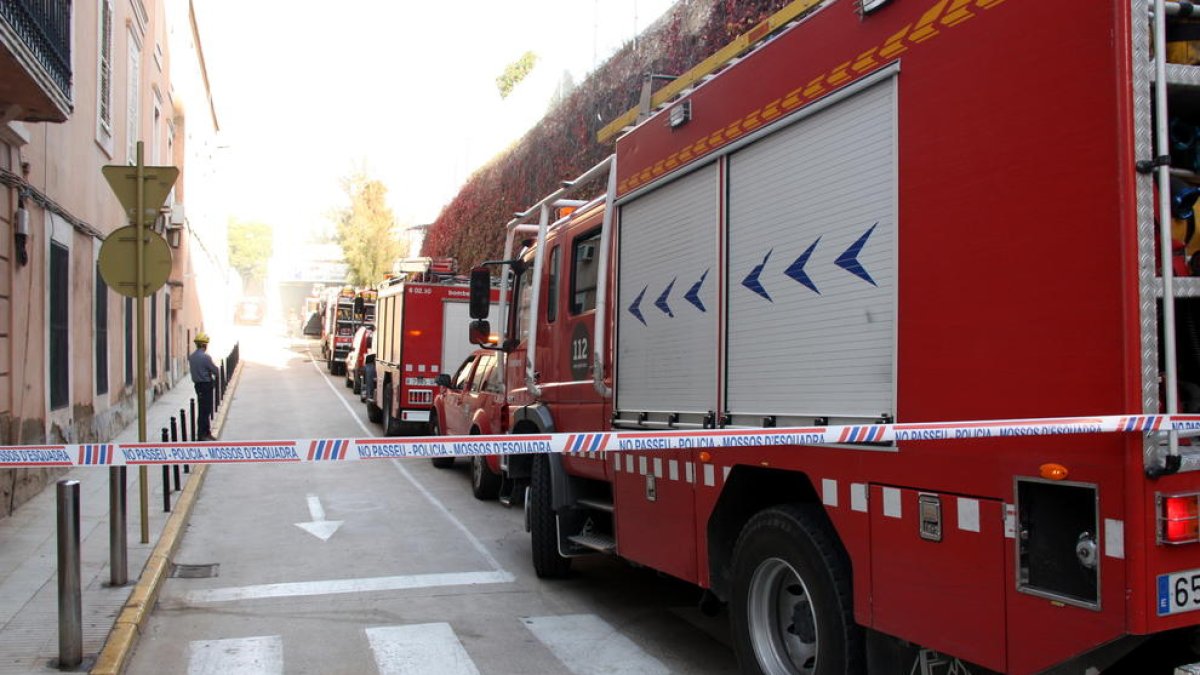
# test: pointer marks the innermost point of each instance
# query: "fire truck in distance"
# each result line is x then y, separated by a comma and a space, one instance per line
915, 211
339, 325
421, 331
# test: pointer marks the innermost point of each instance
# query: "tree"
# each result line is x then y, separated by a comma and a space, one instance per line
250, 247
366, 230
514, 73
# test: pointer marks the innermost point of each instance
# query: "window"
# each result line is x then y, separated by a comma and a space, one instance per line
521, 328
60, 289
134, 99
552, 288
129, 309
462, 377
101, 334
104, 48
584, 269
167, 332
153, 335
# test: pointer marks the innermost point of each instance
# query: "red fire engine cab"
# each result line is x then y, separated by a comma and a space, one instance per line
916, 211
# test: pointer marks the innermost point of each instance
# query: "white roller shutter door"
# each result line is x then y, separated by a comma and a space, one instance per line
812, 264
667, 298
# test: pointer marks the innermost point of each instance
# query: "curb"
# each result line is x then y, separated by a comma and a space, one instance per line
131, 620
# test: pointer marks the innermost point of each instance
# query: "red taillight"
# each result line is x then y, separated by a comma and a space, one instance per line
1179, 519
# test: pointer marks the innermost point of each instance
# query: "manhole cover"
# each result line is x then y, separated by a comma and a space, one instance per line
195, 571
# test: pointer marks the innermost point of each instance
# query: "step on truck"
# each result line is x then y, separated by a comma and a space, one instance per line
421, 318
913, 211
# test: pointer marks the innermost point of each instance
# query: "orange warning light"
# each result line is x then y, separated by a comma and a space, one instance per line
705, 456
1052, 471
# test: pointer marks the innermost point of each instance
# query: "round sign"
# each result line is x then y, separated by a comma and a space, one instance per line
118, 261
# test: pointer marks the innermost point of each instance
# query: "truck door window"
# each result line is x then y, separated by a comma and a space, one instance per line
462, 377
552, 288
483, 372
522, 318
584, 270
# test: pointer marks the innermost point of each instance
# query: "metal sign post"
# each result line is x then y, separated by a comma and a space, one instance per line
136, 262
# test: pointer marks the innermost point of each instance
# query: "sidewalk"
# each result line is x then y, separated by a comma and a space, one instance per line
29, 558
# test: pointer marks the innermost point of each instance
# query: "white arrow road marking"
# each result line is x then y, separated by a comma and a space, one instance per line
319, 527
243, 656
587, 645
418, 649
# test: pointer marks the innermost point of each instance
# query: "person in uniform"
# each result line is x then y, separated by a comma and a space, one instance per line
204, 377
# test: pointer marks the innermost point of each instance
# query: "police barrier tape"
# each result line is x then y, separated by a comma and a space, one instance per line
351, 449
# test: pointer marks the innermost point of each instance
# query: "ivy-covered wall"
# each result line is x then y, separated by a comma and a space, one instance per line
563, 145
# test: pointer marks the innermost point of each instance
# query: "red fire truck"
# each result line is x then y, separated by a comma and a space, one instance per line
917, 211
338, 329
420, 332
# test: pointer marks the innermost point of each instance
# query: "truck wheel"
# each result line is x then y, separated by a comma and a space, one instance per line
356, 384
349, 382
485, 485
438, 462
547, 563
374, 412
791, 609
391, 425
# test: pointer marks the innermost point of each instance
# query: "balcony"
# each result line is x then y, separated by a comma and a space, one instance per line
35, 60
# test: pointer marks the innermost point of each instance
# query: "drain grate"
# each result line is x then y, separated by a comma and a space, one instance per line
195, 571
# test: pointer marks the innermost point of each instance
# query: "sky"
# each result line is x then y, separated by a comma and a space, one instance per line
306, 92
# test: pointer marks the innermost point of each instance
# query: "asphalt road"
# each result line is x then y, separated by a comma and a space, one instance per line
390, 567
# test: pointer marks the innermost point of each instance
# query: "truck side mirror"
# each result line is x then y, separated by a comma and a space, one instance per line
443, 380
481, 293
480, 332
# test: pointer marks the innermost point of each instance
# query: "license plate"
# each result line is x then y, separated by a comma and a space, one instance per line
1178, 592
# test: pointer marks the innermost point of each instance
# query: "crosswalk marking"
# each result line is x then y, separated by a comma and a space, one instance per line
242, 656
583, 643
418, 649
587, 645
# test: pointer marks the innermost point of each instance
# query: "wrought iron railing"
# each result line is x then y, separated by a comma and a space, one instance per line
45, 28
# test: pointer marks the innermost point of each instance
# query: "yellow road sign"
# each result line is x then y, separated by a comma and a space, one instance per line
118, 261
158, 181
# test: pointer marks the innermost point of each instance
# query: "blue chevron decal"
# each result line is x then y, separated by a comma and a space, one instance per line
849, 259
661, 302
751, 281
693, 294
636, 308
796, 270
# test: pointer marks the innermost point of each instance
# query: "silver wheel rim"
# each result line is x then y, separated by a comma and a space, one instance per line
782, 622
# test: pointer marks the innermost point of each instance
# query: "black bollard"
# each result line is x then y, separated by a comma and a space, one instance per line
166, 473
183, 436
175, 439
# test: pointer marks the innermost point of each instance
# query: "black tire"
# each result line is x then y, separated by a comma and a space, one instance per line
374, 412
788, 557
438, 462
543, 528
485, 484
356, 384
349, 382
391, 425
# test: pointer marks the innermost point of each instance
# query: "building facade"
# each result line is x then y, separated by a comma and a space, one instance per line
82, 82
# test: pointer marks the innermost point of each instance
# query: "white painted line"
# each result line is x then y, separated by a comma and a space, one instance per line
315, 510
710, 478
240, 656
586, 645
343, 586
642, 463
628, 463
418, 649
691, 472
658, 467
673, 470
475, 543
